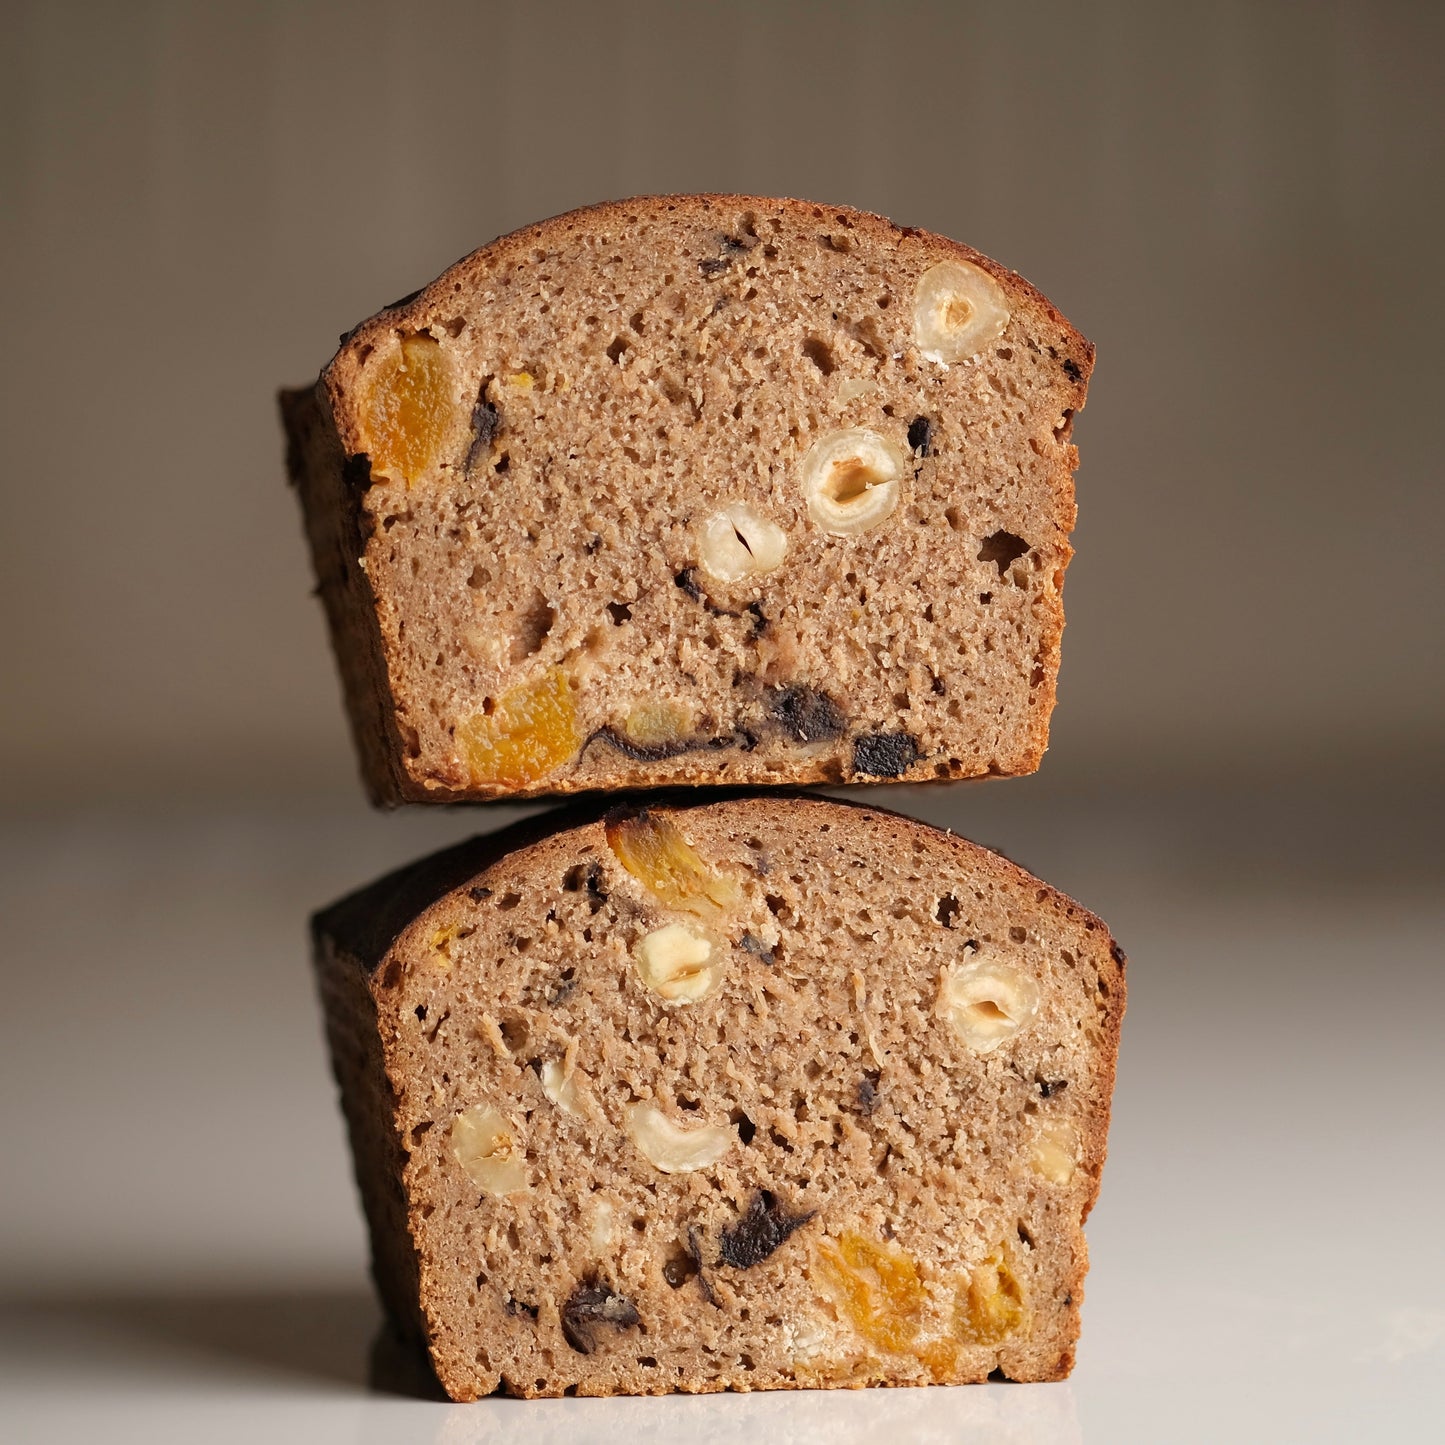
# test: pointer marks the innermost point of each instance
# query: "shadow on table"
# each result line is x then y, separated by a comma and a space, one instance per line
320, 1336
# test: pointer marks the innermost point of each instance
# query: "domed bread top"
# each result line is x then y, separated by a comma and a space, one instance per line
691, 490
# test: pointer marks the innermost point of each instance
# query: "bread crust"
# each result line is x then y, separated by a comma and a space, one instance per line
326, 440
366, 947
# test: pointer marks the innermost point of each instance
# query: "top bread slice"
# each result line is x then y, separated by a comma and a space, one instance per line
694, 490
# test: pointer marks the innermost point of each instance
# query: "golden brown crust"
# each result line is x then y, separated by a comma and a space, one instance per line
394, 724
449, 899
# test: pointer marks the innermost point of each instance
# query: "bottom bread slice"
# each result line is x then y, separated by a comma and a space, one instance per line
762, 1093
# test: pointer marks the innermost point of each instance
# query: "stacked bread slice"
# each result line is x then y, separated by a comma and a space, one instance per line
691, 1090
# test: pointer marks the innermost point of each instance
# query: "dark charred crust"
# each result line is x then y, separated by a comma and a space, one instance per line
478, 894
920, 434
1003, 549
356, 472
807, 715
760, 1231
588, 1308
687, 580
486, 423
520, 1307
868, 1091
1072, 369
885, 755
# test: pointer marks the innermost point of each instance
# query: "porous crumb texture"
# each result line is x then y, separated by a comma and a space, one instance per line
764, 1093
691, 490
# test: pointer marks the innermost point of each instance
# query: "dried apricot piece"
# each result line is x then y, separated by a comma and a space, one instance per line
651, 847
993, 1307
530, 732
876, 1288
410, 410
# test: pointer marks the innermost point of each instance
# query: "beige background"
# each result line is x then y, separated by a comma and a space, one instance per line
1239, 203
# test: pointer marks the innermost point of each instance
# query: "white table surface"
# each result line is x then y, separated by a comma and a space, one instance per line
181, 1256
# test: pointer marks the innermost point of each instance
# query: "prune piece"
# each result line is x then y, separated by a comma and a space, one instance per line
808, 715
760, 1231
884, 755
868, 1091
920, 434
591, 1306
486, 423
1003, 548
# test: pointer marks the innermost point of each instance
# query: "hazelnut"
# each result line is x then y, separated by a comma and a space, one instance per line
559, 1083
1055, 1152
958, 310
740, 541
678, 962
673, 1149
986, 1002
850, 480
484, 1143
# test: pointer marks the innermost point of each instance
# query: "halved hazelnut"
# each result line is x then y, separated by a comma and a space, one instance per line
739, 541
678, 962
671, 1148
1055, 1152
958, 310
485, 1145
986, 1002
850, 480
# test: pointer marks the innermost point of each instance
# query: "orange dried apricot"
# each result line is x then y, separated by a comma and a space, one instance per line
651, 847
876, 1289
994, 1304
530, 732
410, 410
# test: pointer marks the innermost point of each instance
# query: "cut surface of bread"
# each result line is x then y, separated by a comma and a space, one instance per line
696, 490
762, 1093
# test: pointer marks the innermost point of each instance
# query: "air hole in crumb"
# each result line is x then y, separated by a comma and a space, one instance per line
813, 1069
985, 597
509, 901
515, 1032
954, 518
420, 1012
1018, 935
745, 1126
1003, 549
947, 910
620, 612
820, 354
616, 348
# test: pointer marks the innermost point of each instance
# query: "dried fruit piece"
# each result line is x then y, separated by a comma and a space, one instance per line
678, 962
885, 755
993, 1307
656, 724
650, 846
987, 1002
808, 715
671, 1148
589, 1306
1055, 1152
530, 732
877, 1289
410, 410
739, 541
485, 1145
849, 480
760, 1231
958, 310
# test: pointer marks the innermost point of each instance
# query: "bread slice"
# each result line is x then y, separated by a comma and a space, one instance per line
762, 1093
696, 489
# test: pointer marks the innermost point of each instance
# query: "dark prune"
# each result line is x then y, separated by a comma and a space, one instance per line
885, 755
760, 1231
808, 715
591, 1306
